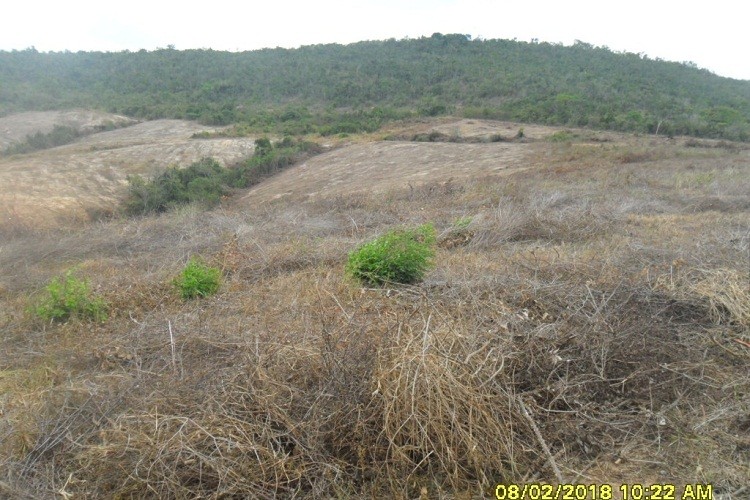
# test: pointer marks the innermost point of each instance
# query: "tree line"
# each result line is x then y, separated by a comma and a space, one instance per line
334, 89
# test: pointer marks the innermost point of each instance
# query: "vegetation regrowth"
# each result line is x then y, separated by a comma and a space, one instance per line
198, 279
67, 297
206, 181
399, 256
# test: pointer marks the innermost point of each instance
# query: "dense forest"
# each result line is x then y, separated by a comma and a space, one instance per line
349, 88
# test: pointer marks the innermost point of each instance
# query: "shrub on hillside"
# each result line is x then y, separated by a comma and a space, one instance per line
198, 280
400, 256
200, 182
206, 181
58, 136
68, 297
269, 159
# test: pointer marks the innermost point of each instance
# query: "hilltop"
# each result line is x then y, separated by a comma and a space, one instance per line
354, 88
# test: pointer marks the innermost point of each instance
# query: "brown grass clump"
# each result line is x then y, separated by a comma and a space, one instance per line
444, 405
723, 293
728, 295
323, 416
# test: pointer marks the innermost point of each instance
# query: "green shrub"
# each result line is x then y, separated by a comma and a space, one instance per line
206, 181
561, 136
269, 159
400, 256
463, 222
201, 182
198, 280
58, 136
263, 146
67, 297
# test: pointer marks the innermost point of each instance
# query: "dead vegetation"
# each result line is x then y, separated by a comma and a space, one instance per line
87, 180
584, 323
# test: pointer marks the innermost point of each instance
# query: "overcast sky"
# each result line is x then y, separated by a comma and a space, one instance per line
713, 34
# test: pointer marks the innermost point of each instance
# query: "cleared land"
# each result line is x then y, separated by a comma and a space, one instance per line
384, 166
587, 320
15, 128
77, 181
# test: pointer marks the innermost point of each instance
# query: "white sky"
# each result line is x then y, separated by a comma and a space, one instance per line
715, 35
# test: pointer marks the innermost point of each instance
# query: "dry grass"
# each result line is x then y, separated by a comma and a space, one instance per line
723, 292
584, 322
87, 179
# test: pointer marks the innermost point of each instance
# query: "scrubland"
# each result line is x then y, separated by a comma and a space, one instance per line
587, 320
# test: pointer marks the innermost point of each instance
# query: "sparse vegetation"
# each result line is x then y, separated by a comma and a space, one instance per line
268, 159
201, 182
562, 136
587, 323
58, 136
67, 297
399, 256
198, 280
206, 181
462, 222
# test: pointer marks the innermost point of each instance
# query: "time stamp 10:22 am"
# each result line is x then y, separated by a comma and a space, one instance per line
633, 491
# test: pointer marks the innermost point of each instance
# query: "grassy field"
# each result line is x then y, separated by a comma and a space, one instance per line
587, 320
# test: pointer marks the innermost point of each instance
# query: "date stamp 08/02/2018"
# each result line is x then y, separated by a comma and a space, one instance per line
633, 491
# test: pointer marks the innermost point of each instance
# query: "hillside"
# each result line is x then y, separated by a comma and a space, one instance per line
15, 128
88, 178
587, 321
347, 89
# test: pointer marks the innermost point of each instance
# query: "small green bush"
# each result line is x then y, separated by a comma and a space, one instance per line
400, 256
198, 280
462, 222
67, 297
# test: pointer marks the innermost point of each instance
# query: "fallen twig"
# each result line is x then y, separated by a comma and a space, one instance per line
542, 442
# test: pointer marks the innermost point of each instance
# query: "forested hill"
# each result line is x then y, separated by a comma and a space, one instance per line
369, 82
